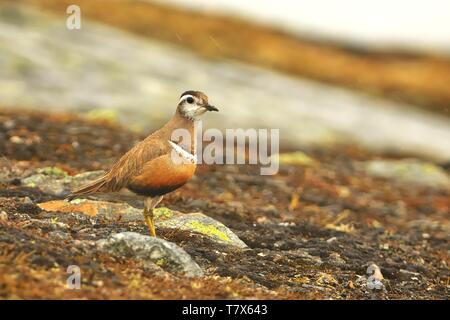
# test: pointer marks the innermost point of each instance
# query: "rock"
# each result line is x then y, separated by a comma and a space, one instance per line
151, 250
374, 281
331, 240
408, 275
108, 210
51, 224
409, 171
57, 182
3, 216
104, 209
83, 178
52, 171
47, 179
163, 213
164, 217
200, 223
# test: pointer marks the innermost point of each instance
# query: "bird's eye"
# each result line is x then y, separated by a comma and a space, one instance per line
190, 100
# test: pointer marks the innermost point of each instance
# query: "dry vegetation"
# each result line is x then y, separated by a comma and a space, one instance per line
420, 79
312, 231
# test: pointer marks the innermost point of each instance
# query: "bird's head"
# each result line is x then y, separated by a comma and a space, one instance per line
193, 104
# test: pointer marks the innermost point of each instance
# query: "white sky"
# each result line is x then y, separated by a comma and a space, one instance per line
423, 24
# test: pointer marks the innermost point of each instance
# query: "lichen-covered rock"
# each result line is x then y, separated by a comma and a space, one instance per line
55, 181
109, 210
200, 223
83, 178
409, 171
48, 179
104, 209
164, 217
164, 254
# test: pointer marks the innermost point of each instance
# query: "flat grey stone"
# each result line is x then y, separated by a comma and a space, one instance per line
164, 254
409, 171
57, 182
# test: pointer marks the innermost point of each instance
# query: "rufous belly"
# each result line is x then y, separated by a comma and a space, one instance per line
160, 176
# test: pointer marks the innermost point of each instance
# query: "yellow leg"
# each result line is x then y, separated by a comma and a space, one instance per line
149, 205
149, 221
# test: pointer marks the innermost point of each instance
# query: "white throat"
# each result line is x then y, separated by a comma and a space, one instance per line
185, 156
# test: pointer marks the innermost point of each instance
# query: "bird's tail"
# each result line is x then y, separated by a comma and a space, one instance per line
95, 186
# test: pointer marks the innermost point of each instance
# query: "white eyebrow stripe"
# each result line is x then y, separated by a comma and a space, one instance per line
185, 97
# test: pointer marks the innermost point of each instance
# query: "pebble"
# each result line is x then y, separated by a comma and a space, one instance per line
331, 240
3, 216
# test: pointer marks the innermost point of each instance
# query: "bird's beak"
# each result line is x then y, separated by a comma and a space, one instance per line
211, 108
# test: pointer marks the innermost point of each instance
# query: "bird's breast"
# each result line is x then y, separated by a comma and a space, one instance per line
162, 175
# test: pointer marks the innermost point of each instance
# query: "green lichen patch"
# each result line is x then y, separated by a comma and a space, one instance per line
163, 213
208, 229
202, 224
160, 262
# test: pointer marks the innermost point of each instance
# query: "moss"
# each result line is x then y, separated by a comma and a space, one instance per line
208, 230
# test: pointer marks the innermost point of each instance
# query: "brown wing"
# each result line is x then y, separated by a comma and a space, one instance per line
132, 163
127, 167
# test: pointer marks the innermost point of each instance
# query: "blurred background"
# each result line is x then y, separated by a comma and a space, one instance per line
376, 74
